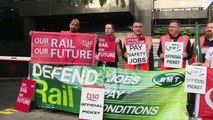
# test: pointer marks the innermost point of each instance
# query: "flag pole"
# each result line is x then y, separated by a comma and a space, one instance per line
197, 49
198, 59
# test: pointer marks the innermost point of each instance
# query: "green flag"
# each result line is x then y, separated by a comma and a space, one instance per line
197, 49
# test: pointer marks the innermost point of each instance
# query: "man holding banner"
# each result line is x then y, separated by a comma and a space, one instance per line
108, 48
208, 59
174, 48
74, 26
204, 104
138, 50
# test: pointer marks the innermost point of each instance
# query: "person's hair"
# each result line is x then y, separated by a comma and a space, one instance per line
113, 27
210, 22
175, 21
137, 22
75, 19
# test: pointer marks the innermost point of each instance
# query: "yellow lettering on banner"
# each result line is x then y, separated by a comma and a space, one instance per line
57, 96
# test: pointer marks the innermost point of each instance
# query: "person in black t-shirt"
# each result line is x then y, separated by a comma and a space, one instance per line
109, 30
206, 41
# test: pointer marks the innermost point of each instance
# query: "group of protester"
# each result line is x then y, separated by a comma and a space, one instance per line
172, 36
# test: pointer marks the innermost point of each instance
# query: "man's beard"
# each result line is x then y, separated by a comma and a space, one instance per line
208, 34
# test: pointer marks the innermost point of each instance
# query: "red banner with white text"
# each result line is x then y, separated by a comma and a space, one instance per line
63, 48
25, 95
206, 100
107, 48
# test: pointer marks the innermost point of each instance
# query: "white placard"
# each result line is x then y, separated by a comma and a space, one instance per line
173, 54
136, 54
195, 79
92, 103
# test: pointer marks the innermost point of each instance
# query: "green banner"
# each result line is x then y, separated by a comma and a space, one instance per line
144, 95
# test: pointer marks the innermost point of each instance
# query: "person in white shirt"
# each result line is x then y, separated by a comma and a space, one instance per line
208, 59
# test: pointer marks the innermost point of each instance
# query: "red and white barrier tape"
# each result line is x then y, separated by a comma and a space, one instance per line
14, 58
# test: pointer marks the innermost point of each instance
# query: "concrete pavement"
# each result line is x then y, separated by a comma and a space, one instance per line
9, 88
40, 114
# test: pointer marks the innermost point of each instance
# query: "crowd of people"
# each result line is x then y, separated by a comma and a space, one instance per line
142, 46
174, 36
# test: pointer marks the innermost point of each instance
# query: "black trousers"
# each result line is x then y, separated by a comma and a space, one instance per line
191, 97
108, 64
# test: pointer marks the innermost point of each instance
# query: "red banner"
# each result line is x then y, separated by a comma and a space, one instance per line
107, 48
25, 95
63, 48
206, 100
135, 40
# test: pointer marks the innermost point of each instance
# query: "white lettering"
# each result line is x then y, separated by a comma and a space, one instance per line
113, 93
208, 98
71, 53
65, 74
